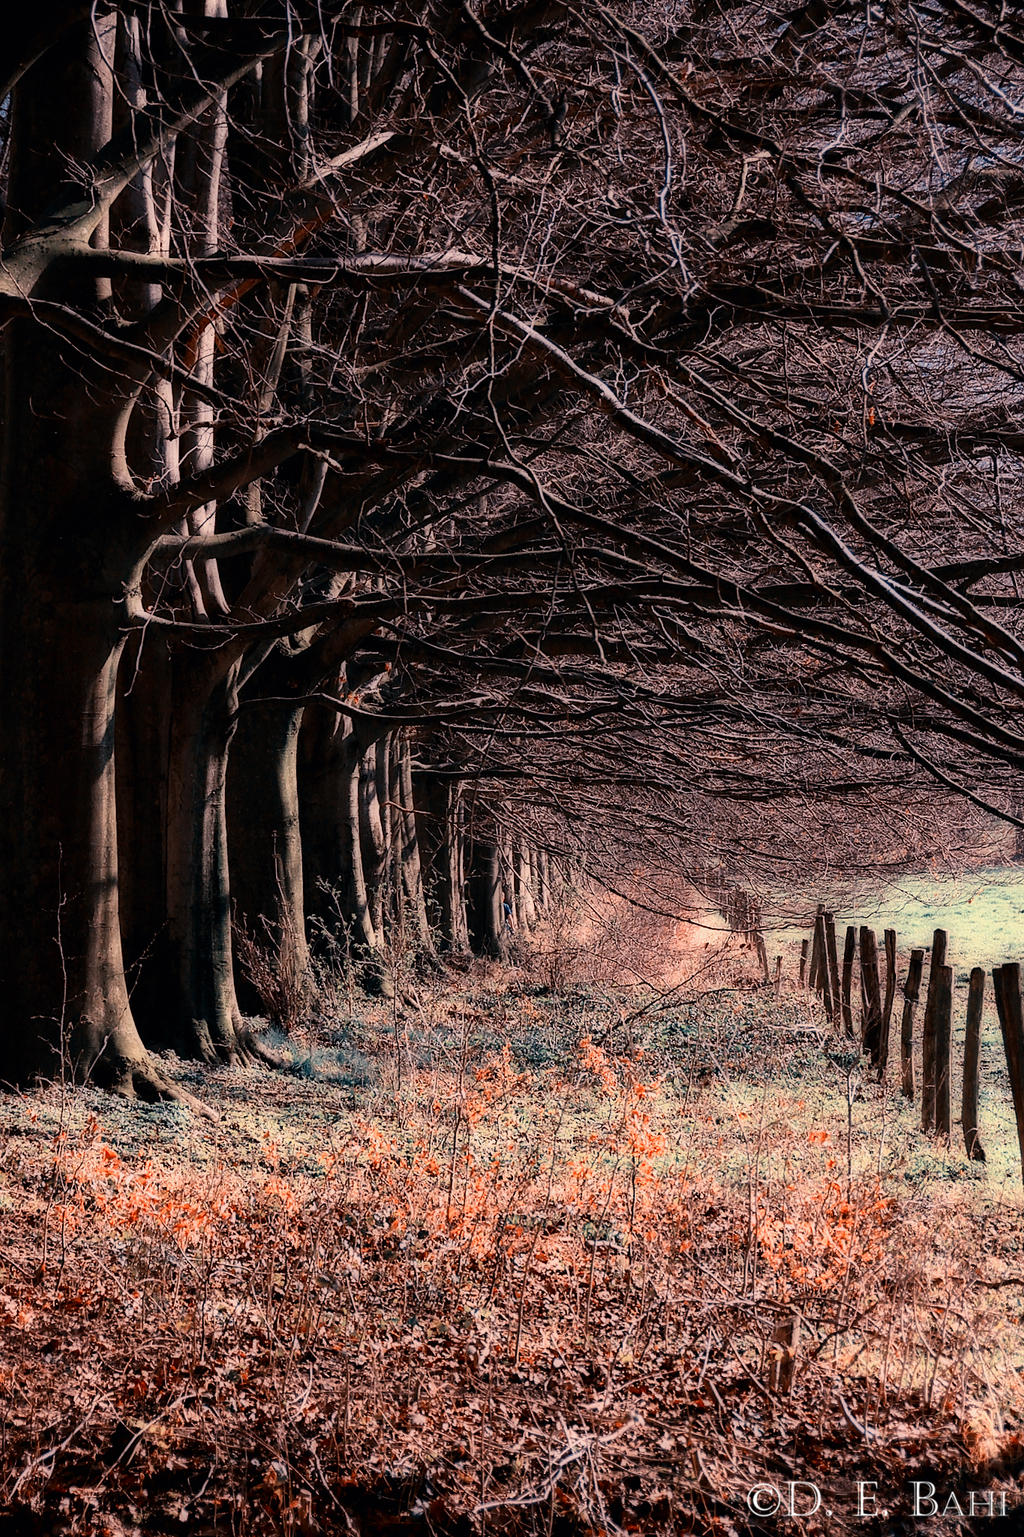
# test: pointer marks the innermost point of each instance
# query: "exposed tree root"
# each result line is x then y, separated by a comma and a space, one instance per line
429, 964
235, 1047
132, 1079
255, 1051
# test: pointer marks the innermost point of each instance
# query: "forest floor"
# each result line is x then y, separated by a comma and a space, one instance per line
509, 1261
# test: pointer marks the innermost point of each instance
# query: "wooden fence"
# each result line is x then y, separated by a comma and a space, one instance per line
833, 981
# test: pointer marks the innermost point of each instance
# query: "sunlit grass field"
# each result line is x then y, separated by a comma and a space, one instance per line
982, 911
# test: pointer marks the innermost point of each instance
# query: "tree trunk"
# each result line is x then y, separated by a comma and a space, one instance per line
374, 822
543, 878
394, 829
489, 932
143, 743
526, 911
332, 764
455, 885
264, 845
72, 544
412, 870
321, 812
365, 935
203, 1018
442, 839
65, 1001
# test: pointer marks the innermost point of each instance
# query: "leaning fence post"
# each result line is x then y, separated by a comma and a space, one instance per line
832, 956
849, 951
943, 1050
890, 993
803, 962
972, 1043
872, 1034
911, 993
938, 960
823, 981
1006, 980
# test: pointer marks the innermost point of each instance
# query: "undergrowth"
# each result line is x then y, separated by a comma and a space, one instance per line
531, 1267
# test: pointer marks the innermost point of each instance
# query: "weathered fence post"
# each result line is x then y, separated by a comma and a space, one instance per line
890, 994
938, 960
803, 962
1006, 981
911, 993
943, 1050
783, 1358
753, 933
832, 957
824, 989
849, 951
972, 1043
823, 981
817, 948
872, 988
762, 955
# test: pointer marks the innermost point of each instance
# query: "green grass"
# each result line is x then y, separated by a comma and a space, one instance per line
982, 912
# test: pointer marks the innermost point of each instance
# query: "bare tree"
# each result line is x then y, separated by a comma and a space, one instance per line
606, 379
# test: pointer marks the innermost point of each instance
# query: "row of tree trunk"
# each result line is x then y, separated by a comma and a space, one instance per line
278, 813
164, 781
346, 828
